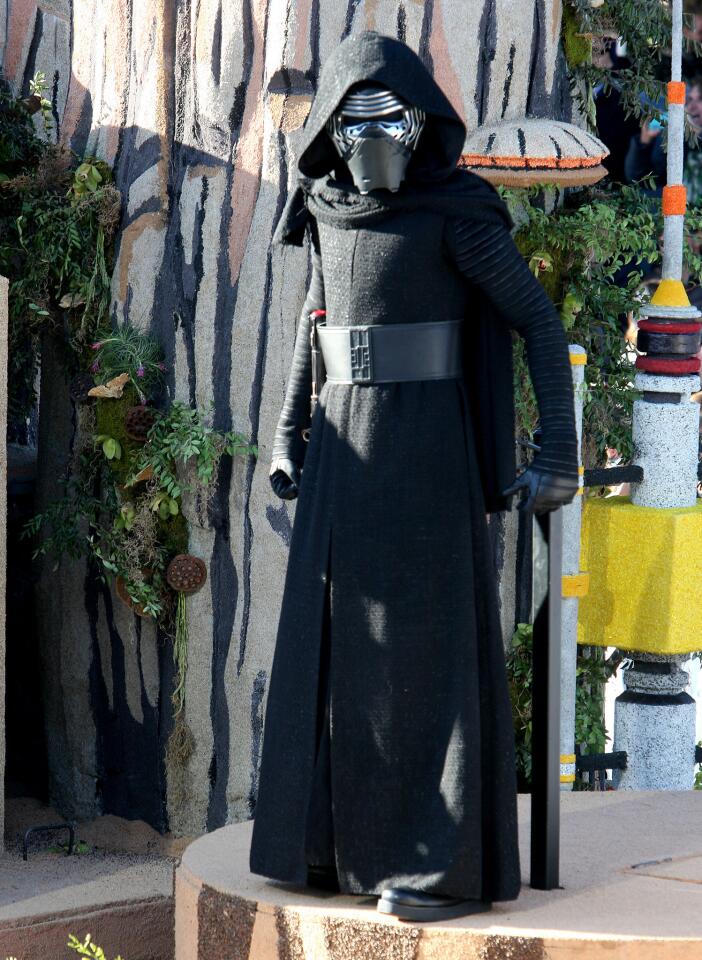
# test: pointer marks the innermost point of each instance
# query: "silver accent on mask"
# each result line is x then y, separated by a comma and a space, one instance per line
374, 132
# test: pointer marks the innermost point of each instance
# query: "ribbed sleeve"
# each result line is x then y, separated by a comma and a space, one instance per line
295, 415
487, 257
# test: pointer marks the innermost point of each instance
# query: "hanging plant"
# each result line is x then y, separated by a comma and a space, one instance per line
180, 654
127, 492
58, 217
185, 575
123, 594
181, 742
127, 352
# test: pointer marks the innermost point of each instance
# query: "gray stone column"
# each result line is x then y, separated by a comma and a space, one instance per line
654, 721
666, 433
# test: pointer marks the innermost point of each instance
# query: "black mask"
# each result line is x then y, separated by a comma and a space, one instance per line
374, 132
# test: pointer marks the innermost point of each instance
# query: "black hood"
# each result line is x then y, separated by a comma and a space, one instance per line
372, 57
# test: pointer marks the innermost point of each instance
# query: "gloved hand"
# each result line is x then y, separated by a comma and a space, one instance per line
544, 491
285, 478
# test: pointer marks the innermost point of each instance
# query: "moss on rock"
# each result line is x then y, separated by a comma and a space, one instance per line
173, 534
110, 420
577, 48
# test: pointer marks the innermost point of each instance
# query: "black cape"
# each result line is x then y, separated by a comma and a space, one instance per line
388, 744
489, 373
433, 182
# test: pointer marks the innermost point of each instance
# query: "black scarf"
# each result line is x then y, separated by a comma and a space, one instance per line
340, 205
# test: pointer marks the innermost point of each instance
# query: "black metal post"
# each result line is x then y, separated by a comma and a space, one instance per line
545, 771
50, 828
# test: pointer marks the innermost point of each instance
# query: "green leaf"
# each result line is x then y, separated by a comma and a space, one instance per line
112, 449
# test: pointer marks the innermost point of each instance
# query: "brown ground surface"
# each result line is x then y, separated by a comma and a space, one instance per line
108, 834
118, 887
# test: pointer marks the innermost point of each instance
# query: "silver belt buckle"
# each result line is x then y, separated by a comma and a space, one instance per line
360, 344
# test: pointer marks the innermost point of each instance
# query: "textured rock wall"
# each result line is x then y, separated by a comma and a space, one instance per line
196, 106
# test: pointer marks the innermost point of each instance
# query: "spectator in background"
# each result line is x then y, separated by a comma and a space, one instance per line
646, 156
692, 171
692, 29
614, 128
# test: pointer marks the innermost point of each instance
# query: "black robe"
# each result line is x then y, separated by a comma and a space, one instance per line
388, 744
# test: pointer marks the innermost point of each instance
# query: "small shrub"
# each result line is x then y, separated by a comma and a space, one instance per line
592, 673
86, 948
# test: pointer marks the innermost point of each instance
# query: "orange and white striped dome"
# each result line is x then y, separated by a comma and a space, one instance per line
527, 151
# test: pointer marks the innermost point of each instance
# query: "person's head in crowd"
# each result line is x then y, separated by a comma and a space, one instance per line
605, 53
693, 103
693, 20
693, 109
694, 30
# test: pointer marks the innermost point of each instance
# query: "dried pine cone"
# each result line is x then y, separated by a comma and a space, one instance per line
186, 574
138, 422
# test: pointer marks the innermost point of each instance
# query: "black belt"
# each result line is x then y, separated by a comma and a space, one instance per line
392, 352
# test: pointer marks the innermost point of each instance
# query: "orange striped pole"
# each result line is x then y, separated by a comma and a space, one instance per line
654, 719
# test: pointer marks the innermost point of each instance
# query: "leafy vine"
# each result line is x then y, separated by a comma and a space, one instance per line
58, 217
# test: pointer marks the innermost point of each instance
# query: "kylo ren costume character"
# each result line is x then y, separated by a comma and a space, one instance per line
388, 763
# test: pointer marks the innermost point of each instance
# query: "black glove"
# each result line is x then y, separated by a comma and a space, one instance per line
545, 491
285, 478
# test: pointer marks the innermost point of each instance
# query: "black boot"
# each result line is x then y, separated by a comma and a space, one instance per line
415, 905
323, 878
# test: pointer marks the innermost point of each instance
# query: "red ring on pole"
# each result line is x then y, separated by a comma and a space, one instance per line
656, 326
669, 367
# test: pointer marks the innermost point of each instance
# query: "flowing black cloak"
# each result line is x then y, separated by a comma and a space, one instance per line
389, 614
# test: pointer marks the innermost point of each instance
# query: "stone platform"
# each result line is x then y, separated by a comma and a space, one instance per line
631, 875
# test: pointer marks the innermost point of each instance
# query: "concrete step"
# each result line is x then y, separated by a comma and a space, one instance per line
132, 929
631, 876
124, 901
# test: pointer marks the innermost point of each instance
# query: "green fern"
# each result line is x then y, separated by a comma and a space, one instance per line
86, 948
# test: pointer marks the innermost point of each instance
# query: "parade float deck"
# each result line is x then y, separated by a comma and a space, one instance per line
631, 887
